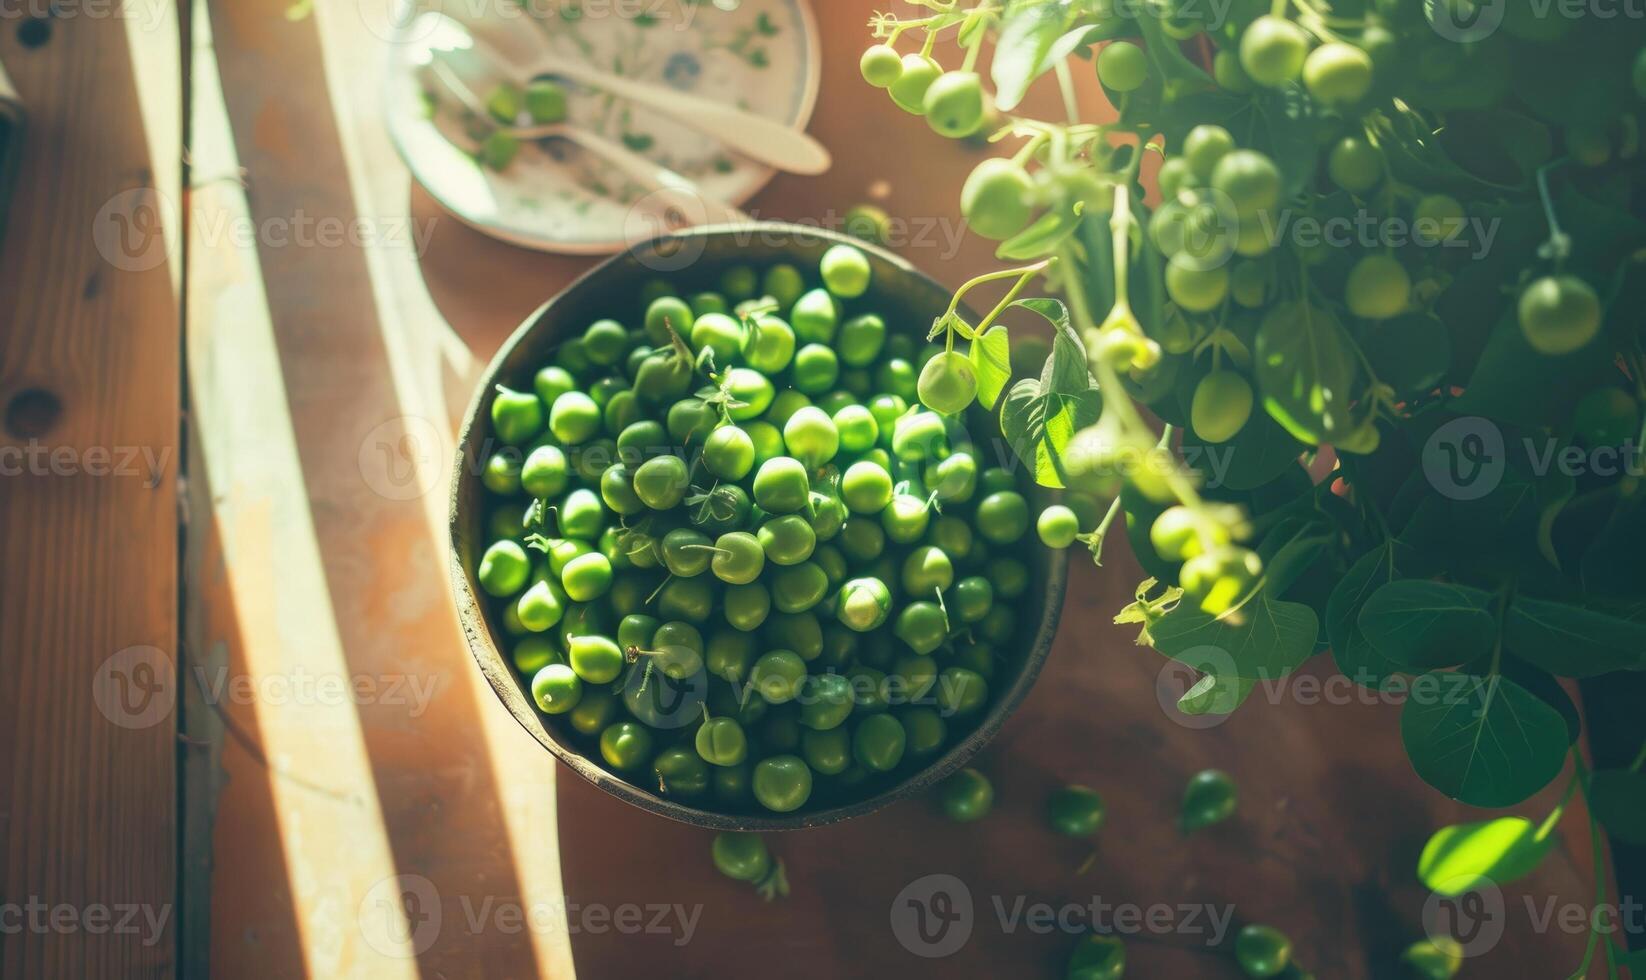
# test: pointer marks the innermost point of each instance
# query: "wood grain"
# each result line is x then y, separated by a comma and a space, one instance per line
88, 507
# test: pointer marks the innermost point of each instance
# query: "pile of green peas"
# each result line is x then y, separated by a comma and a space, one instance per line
735, 558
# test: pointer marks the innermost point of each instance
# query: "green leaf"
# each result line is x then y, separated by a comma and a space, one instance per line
1041, 238
1034, 36
1264, 639
1354, 654
1039, 425
1466, 856
1421, 625
1040, 416
1619, 800
991, 355
1306, 369
1571, 641
1485, 741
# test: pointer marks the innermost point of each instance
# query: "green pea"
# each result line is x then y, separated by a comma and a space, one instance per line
972, 599
866, 487
777, 676
681, 772
898, 377
690, 420
912, 677
1097, 958
728, 453
952, 535
626, 745
977, 657
768, 442
966, 797
739, 283
637, 630
725, 508
961, 691
782, 783
1009, 576
732, 783
799, 587
862, 540
861, 339
502, 473
825, 701
864, 604
541, 606
720, 741
816, 369
887, 409
629, 592
787, 540
811, 436
953, 478
926, 730
739, 558
905, 519
747, 606
878, 743
573, 357
661, 482
741, 856
828, 515
868, 690
783, 283
1209, 798
815, 317
857, 428
641, 439
534, 653
517, 416
922, 625
503, 569
769, 344
919, 436
751, 391
582, 515
781, 485
1076, 811
595, 658
719, 333
1003, 517
617, 491
730, 655
800, 632
552, 382
708, 302
690, 599
556, 689
595, 710
996, 479
784, 405
668, 313
1263, 951
998, 626
828, 752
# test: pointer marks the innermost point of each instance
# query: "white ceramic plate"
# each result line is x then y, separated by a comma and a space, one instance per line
761, 55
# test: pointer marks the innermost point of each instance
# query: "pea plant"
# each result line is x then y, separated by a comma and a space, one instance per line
1351, 382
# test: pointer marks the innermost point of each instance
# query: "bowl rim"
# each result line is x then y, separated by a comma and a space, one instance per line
499, 673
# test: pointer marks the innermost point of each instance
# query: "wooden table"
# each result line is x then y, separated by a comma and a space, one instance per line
325, 785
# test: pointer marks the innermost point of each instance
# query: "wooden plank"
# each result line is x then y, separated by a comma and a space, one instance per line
88, 505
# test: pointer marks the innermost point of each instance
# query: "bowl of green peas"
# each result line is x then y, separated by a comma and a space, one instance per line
712, 551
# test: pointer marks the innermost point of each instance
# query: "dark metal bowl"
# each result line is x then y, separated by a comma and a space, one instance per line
908, 299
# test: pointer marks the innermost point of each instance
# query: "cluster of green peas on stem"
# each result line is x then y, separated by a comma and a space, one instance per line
737, 557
